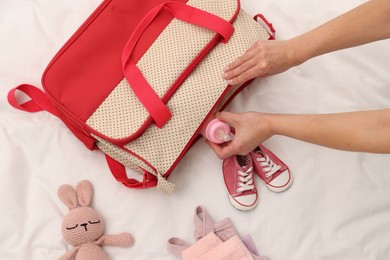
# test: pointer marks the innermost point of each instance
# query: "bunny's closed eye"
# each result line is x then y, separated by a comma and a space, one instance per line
83, 225
73, 227
89, 221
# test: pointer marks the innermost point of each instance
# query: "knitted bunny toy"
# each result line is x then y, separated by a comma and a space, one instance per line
83, 227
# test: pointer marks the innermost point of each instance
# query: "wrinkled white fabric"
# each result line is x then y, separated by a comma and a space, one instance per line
337, 208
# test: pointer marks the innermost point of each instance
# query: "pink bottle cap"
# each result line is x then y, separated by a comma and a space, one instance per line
217, 131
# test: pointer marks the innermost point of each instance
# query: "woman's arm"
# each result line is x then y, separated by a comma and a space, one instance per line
364, 131
366, 23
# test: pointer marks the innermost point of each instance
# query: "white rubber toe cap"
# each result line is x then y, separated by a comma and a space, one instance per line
281, 183
245, 202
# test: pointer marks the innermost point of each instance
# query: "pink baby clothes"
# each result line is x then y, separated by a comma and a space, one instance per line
206, 232
211, 247
233, 248
201, 247
203, 226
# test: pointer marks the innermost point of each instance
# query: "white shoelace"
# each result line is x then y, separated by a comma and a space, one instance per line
268, 165
245, 180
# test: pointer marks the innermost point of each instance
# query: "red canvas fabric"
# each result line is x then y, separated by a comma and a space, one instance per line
86, 64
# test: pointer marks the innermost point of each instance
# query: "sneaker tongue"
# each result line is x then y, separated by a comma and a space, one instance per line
247, 192
259, 151
245, 167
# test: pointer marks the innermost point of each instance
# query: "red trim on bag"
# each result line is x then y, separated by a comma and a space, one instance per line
196, 135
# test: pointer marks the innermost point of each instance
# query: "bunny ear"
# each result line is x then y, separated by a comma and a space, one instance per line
84, 192
67, 196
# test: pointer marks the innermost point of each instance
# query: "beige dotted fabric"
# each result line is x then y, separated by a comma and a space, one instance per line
122, 114
119, 114
190, 104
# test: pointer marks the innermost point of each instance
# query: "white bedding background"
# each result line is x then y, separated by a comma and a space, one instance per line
337, 208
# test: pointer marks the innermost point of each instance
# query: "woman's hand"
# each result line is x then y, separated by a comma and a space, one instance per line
263, 59
250, 130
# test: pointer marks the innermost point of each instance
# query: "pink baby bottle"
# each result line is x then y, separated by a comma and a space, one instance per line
217, 131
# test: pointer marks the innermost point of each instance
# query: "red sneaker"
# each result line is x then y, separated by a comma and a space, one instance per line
238, 176
271, 169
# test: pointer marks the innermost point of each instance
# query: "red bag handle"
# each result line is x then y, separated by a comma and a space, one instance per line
119, 172
145, 93
39, 100
271, 31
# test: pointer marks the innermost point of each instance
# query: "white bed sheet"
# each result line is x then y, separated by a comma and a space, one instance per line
337, 208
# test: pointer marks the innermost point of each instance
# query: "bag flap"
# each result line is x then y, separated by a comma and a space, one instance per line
178, 49
160, 149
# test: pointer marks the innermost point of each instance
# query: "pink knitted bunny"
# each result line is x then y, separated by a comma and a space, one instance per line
83, 227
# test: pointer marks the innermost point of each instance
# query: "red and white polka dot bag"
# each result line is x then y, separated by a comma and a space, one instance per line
137, 81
